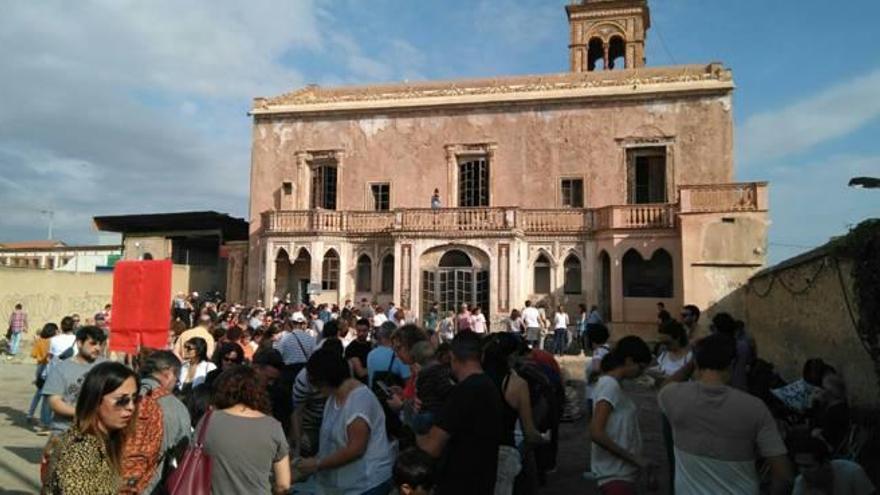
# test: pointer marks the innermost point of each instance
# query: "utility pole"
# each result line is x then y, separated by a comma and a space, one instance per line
51, 215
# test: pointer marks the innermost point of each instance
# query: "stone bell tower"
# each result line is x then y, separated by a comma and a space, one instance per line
607, 34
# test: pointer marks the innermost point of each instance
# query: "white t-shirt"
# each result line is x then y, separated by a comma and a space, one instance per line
202, 370
371, 469
60, 343
560, 321
531, 317
622, 428
668, 365
379, 319
849, 479
478, 323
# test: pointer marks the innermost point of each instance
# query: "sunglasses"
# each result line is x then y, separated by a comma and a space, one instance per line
188, 348
125, 400
227, 359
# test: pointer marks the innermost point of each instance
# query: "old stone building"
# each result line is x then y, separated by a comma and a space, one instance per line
611, 184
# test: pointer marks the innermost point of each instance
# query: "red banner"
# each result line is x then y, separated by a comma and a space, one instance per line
141, 305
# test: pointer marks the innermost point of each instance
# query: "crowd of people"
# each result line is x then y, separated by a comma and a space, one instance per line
362, 399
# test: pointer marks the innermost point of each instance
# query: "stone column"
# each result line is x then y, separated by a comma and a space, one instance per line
616, 287
406, 276
301, 186
269, 281
503, 291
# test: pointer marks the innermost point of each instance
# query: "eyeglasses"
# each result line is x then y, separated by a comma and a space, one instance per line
125, 400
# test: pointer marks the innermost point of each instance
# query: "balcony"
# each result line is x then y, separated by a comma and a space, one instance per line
514, 220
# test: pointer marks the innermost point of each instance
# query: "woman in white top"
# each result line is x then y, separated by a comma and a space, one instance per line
354, 454
478, 321
616, 458
560, 331
195, 363
515, 323
446, 327
676, 353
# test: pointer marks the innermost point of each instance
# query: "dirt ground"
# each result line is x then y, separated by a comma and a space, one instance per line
20, 447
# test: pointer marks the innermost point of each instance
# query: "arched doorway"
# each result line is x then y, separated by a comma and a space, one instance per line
604, 301
284, 283
454, 277
300, 275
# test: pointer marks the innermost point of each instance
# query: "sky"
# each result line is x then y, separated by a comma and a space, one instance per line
118, 107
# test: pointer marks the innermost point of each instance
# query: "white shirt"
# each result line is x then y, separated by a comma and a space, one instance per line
202, 370
379, 319
478, 325
531, 317
668, 365
622, 428
560, 321
849, 479
60, 343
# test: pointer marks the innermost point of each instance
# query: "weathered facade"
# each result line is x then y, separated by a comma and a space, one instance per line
611, 187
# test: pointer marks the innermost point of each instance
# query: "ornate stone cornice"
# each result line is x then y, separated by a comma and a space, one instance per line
500, 89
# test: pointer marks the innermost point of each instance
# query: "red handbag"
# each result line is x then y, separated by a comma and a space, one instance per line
193, 475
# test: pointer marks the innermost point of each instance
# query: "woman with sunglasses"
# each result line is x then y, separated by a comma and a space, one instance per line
195, 364
228, 355
88, 456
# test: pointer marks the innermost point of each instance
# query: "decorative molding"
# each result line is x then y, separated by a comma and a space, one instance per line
315, 95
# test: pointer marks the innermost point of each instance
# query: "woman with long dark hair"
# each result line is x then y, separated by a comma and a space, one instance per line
246, 444
87, 459
226, 356
354, 455
499, 356
40, 353
616, 458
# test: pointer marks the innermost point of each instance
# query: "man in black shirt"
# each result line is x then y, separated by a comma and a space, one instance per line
468, 430
358, 350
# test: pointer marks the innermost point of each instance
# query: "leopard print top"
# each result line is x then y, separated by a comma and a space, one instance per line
79, 465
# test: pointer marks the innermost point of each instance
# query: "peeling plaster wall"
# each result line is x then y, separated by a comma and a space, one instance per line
791, 328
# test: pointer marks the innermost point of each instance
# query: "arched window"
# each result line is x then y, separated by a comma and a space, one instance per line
330, 271
595, 53
651, 278
388, 274
616, 53
455, 258
542, 275
572, 266
364, 274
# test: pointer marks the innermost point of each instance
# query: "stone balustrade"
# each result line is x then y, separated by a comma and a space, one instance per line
747, 196
693, 199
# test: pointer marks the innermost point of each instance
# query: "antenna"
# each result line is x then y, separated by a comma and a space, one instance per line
51, 215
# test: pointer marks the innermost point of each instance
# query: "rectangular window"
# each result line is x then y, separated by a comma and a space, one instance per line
324, 186
647, 175
473, 183
381, 196
573, 193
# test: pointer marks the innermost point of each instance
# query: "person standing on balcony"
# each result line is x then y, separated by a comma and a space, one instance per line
435, 200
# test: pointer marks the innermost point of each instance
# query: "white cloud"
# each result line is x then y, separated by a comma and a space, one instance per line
824, 116
124, 106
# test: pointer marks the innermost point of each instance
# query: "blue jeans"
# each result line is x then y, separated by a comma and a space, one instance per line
43, 402
559, 338
14, 342
383, 489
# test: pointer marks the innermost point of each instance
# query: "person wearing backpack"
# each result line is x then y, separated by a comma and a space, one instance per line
516, 406
162, 430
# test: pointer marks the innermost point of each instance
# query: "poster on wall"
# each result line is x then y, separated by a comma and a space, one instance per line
141, 302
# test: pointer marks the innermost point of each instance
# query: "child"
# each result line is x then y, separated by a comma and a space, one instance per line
414, 473
616, 457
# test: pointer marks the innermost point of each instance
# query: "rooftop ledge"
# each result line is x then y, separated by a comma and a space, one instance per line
713, 77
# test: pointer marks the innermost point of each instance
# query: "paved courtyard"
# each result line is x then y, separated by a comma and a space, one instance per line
20, 447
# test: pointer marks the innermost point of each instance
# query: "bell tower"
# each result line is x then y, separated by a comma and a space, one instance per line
607, 34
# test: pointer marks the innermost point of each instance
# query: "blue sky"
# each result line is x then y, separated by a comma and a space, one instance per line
117, 107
